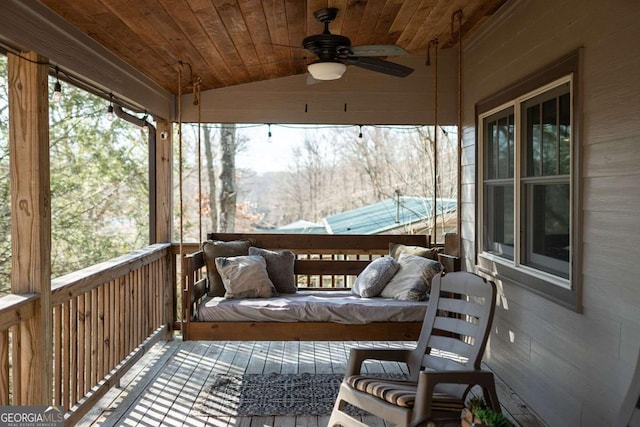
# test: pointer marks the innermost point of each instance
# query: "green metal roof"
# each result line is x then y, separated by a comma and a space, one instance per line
386, 215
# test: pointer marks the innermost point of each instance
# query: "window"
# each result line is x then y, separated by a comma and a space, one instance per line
526, 202
546, 128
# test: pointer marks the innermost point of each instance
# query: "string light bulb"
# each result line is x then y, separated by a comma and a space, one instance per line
110, 114
269, 134
56, 96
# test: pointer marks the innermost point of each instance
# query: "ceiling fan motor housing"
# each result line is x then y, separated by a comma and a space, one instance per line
327, 46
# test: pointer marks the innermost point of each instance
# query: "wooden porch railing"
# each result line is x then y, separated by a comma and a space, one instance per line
104, 319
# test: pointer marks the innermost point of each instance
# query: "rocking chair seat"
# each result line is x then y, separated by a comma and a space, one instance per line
402, 393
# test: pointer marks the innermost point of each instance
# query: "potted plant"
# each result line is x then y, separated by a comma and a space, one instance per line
478, 414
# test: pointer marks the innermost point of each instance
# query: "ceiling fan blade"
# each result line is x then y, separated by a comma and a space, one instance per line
286, 45
378, 50
379, 65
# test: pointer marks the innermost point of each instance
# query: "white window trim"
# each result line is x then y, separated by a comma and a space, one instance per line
517, 197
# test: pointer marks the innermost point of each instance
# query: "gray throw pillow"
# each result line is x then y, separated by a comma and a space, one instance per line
213, 249
375, 277
397, 249
412, 282
245, 277
279, 267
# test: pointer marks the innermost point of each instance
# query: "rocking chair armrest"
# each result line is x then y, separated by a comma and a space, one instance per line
358, 355
427, 380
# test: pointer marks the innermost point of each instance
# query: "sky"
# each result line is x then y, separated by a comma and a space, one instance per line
271, 154
264, 154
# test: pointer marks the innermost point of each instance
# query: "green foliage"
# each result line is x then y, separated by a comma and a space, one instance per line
476, 403
99, 183
491, 418
486, 415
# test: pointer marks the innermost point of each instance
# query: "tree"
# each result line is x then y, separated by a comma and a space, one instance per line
312, 186
333, 170
98, 183
228, 190
211, 177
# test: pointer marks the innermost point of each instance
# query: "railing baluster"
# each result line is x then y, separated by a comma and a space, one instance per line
66, 358
146, 297
80, 347
126, 332
102, 331
4, 368
94, 337
57, 355
138, 307
112, 326
122, 314
88, 315
73, 368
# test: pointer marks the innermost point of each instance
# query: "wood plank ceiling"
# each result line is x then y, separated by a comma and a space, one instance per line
233, 42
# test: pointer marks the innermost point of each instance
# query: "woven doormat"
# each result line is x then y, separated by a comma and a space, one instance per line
270, 395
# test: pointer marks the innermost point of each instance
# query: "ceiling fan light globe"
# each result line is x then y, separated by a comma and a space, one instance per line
326, 70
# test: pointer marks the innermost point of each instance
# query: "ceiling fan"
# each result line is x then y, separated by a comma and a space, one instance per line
335, 52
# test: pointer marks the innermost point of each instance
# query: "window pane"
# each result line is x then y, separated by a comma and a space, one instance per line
548, 227
499, 227
549, 138
510, 146
491, 161
565, 134
503, 148
499, 143
534, 150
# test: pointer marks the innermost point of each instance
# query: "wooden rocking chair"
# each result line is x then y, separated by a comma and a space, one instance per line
443, 367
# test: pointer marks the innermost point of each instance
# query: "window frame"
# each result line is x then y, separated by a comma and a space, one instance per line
563, 290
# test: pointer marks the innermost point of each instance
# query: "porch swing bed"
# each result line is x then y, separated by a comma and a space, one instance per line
322, 306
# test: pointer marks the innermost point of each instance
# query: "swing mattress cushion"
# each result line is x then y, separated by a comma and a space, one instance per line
337, 306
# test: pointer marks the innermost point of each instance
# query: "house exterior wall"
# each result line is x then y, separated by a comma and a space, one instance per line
573, 369
359, 97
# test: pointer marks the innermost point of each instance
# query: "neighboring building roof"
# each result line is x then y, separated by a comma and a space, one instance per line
386, 215
302, 227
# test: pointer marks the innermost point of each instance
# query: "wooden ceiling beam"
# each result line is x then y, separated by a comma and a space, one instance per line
33, 26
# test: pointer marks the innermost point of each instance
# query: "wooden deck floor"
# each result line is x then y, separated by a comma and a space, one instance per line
161, 389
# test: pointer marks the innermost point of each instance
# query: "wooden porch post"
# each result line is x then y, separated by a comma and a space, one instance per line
164, 213
164, 181
31, 224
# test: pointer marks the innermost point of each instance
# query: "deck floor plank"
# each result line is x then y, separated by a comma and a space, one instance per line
163, 387
133, 383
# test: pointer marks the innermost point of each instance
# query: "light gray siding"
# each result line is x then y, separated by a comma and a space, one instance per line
573, 369
359, 97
